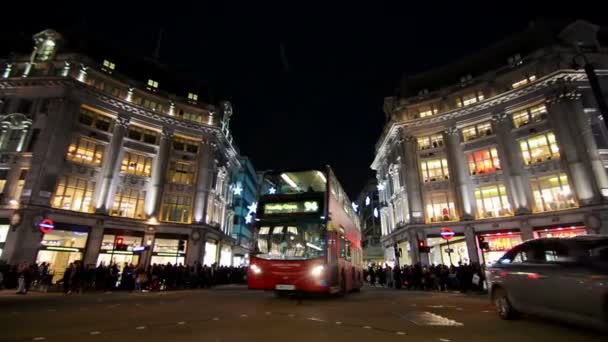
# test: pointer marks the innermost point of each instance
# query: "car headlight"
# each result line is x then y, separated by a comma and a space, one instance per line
256, 269
317, 271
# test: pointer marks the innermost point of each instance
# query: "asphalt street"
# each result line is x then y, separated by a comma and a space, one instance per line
233, 313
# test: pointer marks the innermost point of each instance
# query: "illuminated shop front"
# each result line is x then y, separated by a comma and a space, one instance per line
3, 233
210, 253
226, 256
121, 248
560, 231
498, 244
444, 253
61, 246
405, 257
169, 249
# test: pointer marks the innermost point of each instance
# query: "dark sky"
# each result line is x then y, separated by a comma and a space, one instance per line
306, 83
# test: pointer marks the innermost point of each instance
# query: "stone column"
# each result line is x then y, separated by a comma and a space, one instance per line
111, 165
12, 181
196, 247
413, 241
159, 171
412, 179
94, 244
581, 122
25, 132
512, 165
527, 233
460, 175
4, 133
471, 241
23, 240
571, 146
204, 177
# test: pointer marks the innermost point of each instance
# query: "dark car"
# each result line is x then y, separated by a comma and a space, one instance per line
566, 279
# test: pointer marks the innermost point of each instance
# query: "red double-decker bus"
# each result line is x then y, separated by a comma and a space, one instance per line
307, 235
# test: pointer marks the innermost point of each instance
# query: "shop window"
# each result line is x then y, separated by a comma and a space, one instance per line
93, 118
492, 201
176, 208
439, 207
136, 164
75, 194
3, 177
187, 145
483, 161
530, 115
539, 148
170, 246
142, 134
469, 99
85, 151
552, 192
129, 203
181, 172
523, 81
431, 141
476, 131
434, 170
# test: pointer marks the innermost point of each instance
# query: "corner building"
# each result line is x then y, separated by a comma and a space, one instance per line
504, 146
110, 159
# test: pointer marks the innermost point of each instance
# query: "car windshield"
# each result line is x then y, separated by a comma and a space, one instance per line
291, 241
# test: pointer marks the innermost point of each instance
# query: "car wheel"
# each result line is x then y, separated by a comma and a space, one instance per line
503, 305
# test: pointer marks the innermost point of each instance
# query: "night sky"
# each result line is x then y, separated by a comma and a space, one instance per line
306, 83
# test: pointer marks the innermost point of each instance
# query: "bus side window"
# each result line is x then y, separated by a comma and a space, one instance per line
348, 250
342, 247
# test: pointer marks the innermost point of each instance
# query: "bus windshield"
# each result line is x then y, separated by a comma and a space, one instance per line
291, 241
288, 183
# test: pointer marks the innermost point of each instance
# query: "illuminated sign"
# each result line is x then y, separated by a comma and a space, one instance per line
447, 233
291, 208
46, 225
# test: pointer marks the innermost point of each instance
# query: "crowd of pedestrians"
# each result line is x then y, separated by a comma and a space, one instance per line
463, 277
78, 278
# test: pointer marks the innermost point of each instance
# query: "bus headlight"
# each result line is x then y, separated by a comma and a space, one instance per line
256, 269
317, 271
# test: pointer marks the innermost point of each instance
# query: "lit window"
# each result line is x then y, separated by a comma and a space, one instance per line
20, 184
476, 131
469, 99
492, 201
533, 114
183, 144
152, 105
431, 141
523, 81
483, 161
74, 194
539, 148
93, 118
176, 208
425, 111
192, 96
434, 170
129, 203
46, 50
552, 192
439, 207
152, 83
142, 134
136, 164
85, 151
109, 65
181, 172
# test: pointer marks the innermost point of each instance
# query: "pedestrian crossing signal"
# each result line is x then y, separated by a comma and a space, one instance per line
181, 245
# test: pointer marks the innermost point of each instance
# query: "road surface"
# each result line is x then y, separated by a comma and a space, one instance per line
233, 313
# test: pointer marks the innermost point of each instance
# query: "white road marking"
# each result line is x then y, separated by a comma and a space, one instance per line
436, 306
431, 319
316, 319
39, 338
338, 323
243, 315
95, 332
181, 323
366, 327
400, 333
141, 327
216, 318
291, 315
444, 340
486, 311
268, 312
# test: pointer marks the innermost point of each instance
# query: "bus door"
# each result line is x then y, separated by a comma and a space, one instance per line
332, 257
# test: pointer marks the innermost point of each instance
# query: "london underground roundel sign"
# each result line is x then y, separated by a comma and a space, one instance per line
447, 233
46, 225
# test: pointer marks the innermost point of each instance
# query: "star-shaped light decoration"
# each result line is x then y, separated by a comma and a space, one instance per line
367, 200
272, 190
253, 208
237, 190
376, 212
248, 218
380, 186
355, 206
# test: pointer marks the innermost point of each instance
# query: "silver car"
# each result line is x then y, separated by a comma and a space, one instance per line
566, 279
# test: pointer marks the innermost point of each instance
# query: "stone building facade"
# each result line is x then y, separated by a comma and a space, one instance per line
504, 146
126, 171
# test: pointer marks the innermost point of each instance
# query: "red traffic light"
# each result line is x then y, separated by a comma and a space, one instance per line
421, 243
119, 241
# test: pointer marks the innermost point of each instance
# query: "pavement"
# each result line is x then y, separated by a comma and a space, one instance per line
234, 313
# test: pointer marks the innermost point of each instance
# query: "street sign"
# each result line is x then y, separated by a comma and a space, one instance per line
447, 233
46, 225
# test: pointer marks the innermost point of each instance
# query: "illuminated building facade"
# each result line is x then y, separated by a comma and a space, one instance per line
504, 146
110, 159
